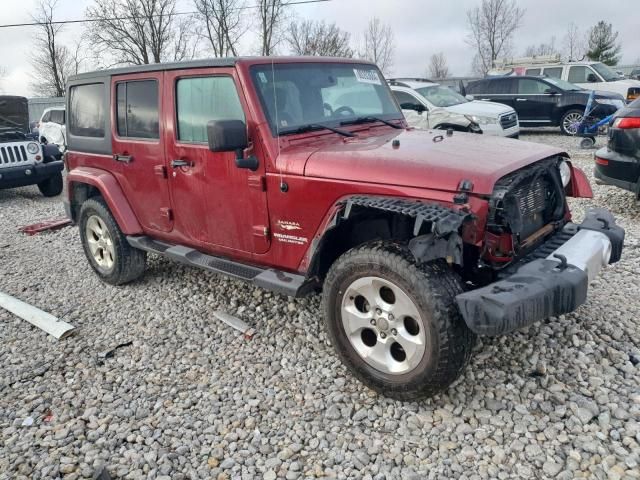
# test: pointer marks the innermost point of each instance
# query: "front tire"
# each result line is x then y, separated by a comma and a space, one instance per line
394, 324
109, 254
52, 186
570, 121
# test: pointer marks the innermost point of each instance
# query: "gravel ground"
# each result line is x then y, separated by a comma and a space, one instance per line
190, 398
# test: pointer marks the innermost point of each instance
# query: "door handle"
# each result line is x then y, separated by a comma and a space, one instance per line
123, 158
521, 99
181, 163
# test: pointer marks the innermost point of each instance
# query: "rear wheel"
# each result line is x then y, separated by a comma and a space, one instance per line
52, 186
109, 254
395, 324
570, 121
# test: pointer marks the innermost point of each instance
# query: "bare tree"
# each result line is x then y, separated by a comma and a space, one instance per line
438, 67
542, 49
318, 38
491, 27
139, 31
379, 45
574, 43
51, 59
271, 17
223, 22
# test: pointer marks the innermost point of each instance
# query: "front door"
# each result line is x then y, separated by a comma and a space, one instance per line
213, 200
138, 152
415, 113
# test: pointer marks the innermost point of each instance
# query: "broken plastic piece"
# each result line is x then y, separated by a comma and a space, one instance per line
35, 316
236, 323
54, 224
27, 422
110, 353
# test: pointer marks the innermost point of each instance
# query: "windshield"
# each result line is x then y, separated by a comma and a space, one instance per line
299, 94
562, 84
441, 96
605, 72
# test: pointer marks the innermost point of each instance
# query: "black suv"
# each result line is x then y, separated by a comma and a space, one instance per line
543, 101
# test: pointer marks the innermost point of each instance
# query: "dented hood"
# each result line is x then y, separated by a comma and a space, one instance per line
424, 159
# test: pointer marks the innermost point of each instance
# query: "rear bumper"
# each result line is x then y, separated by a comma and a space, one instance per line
549, 286
29, 174
619, 170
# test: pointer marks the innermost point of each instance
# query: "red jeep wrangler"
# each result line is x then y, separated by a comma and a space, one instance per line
300, 174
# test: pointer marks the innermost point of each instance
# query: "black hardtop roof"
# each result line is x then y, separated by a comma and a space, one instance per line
13, 97
502, 77
206, 63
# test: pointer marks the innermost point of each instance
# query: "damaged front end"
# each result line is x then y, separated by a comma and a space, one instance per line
542, 262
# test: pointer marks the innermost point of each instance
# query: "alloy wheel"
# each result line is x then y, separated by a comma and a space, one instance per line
100, 242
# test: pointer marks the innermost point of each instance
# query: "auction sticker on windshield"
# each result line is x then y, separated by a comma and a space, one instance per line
367, 76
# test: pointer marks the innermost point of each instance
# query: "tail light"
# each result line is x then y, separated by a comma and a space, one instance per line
602, 161
628, 122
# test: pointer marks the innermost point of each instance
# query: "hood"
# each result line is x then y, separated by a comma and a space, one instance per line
479, 107
422, 163
14, 114
606, 94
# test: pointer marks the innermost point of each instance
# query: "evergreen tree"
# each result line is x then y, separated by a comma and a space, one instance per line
602, 44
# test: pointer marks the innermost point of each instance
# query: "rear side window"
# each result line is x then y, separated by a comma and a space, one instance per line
86, 105
553, 72
533, 72
137, 109
202, 99
502, 86
528, 86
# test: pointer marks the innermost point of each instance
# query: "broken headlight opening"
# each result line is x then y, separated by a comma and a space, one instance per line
565, 172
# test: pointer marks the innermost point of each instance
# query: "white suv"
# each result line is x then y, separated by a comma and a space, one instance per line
426, 104
589, 75
52, 127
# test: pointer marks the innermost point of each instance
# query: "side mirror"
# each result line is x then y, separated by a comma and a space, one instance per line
551, 91
416, 107
231, 136
591, 78
470, 97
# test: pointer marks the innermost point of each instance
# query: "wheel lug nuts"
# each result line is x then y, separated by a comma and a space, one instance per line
394, 332
383, 335
378, 311
391, 317
373, 321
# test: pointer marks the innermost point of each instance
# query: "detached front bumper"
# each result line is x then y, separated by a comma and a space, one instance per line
549, 286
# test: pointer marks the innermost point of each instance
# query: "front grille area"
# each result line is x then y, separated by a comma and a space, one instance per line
527, 200
12, 154
509, 120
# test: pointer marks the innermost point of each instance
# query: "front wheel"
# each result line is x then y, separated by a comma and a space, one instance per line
52, 186
395, 324
570, 121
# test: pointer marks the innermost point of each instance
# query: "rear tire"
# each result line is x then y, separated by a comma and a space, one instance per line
570, 121
407, 356
106, 247
52, 186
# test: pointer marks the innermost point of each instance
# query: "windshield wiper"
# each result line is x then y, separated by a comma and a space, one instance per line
369, 119
316, 126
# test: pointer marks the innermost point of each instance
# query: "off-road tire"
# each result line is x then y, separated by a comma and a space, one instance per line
129, 262
52, 186
571, 111
433, 288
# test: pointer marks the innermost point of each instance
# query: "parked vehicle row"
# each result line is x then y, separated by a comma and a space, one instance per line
301, 175
428, 105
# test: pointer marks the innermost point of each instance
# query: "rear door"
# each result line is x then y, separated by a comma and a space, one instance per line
213, 200
533, 102
138, 150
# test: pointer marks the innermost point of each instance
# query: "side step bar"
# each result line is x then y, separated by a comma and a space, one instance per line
275, 280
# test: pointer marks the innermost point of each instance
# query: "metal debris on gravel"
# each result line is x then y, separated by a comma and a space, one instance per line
186, 400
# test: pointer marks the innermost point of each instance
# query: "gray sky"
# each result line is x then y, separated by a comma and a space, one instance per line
421, 27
